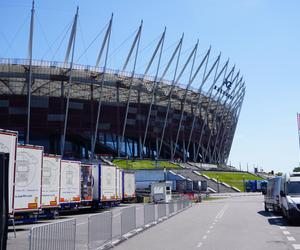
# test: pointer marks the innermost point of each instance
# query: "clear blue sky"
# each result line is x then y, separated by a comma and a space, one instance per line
261, 37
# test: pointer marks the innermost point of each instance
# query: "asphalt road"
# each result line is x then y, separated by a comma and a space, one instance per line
232, 223
229, 224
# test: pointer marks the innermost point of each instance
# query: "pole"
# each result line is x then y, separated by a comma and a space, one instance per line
30, 73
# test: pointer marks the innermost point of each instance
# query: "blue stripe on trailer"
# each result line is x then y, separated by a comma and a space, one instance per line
123, 192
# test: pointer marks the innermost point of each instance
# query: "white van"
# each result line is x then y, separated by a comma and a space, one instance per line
290, 196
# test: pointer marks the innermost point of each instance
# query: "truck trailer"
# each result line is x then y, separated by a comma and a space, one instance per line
28, 178
128, 185
70, 186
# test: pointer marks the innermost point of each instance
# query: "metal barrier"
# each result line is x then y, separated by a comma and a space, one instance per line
161, 210
99, 229
149, 213
59, 235
139, 216
128, 220
171, 208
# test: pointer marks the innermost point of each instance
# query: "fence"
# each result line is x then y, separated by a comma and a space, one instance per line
103, 228
58, 235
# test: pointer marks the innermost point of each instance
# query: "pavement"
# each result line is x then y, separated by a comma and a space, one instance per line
231, 222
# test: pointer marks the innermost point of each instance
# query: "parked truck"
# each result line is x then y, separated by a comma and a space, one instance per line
8, 144
28, 178
50, 181
128, 186
104, 185
70, 186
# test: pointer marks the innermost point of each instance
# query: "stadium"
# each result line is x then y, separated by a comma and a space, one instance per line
81, 111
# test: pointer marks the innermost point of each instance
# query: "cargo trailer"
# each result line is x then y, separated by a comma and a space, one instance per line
28, 178
70, 186
104, 184
128, 185
50, 181
8, 144
86, 184
119, 179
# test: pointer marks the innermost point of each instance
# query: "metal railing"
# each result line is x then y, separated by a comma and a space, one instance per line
59, 235
103, 228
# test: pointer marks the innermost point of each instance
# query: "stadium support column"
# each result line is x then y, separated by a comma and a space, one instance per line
71, 45
231, 128
135, 45
214, 117
106, 42
210, 91
191, 78
159, 45
230, 133
30, 73
197, 107
231, 96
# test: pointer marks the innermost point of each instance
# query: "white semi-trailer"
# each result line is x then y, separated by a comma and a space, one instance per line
105, 185
50, 181
128, 185
70, 186
8, 144
28, 178
119, 184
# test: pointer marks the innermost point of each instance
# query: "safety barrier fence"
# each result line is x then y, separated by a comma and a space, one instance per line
58, 235
104, 229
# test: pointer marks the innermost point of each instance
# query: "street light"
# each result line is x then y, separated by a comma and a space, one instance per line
218, 183
244, 183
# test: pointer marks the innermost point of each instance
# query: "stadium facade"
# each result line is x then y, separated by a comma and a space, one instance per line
80, 111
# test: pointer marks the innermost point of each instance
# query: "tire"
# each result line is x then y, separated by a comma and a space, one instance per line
266, 208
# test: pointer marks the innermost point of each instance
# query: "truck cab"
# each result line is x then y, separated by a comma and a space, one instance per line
290, 196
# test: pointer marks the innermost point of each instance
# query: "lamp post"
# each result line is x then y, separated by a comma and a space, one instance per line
218, 183
244, 183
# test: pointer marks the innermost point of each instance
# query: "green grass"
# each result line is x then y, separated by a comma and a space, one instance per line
143, 164
234, 179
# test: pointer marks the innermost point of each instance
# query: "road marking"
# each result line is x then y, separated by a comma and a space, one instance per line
296, 246
204, 237
208, 231
287, 232
199, 244
211, 227
282, 227
291, 238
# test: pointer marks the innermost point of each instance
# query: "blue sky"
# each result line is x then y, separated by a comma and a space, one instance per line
260, 37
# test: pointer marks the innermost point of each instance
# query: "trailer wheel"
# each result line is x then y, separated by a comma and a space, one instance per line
266, 208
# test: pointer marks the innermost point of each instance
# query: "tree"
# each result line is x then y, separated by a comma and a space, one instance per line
297, 169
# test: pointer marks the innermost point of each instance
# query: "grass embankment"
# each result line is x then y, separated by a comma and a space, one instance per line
234, 179
144, 164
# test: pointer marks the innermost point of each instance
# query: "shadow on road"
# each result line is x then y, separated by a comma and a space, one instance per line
265, 213
279, 220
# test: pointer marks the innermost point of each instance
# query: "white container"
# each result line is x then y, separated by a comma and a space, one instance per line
8, 144
70, 182
128, 185
50, 181
105, 184
28, 178
119, 184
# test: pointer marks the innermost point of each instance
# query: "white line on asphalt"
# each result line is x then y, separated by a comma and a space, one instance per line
296, 246
282, 227
204, 237
291, 238
199, 244
286, 232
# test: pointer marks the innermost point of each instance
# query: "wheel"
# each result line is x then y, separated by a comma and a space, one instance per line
266, 208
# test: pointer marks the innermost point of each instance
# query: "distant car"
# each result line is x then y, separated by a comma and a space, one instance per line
272, 196
290, 196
